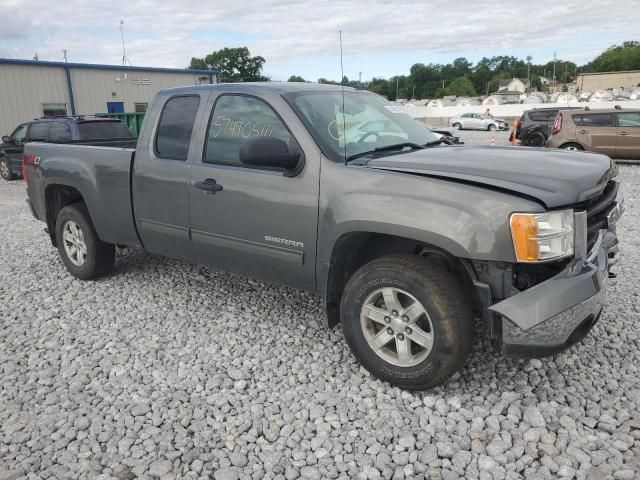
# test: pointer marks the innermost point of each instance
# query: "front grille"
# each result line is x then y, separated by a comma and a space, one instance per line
597, 209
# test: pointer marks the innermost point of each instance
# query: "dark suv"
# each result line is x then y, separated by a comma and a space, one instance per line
534, 126
55, 129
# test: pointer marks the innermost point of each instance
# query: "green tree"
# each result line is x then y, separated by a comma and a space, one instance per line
232, 65
296, 78
461, 86
617, 57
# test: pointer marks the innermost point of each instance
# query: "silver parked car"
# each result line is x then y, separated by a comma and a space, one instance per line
477, 121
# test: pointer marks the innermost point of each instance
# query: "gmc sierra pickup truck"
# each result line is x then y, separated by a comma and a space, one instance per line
407, 240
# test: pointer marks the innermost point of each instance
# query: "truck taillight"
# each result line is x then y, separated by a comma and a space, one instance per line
26, 161
558, 124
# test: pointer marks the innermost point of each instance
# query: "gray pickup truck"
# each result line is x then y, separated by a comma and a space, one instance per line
407, 240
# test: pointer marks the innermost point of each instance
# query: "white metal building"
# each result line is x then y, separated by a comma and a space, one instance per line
30, 89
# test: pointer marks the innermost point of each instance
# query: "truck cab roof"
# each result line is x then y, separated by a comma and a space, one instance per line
255, 87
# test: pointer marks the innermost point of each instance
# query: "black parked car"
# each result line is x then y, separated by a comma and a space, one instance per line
534, 126
57, 130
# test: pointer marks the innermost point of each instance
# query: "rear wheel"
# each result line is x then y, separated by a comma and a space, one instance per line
573, 147
407, 321
536, 139
84, 255
5, 170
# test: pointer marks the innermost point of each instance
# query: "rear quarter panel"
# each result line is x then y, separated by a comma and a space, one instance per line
100, 174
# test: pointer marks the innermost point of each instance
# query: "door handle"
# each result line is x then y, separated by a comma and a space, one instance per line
583, 131
209, 185
624, 133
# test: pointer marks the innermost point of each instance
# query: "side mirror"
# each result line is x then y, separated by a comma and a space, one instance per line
6, 139
270, 152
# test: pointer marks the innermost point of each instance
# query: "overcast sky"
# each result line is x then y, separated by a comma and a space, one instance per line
380, 37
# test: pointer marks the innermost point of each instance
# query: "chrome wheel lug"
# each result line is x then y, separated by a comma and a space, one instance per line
405, 319
400, 336
394, 313
387, 319
408, 330
390, 331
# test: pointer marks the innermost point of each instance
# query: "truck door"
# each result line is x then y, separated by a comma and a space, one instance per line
255, 221
160, 182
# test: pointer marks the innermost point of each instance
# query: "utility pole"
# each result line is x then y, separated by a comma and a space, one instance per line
65, 55
413, 95
397, 87
529, 58
554, 72
35, 57
359, 77
125, 59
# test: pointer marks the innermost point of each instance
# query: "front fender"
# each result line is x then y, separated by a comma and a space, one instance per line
464, 220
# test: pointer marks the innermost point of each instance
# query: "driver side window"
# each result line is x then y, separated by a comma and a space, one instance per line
237, 120
19, 134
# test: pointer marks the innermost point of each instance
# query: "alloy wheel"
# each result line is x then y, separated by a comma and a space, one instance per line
397, 327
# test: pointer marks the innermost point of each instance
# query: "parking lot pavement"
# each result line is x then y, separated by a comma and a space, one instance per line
166, 370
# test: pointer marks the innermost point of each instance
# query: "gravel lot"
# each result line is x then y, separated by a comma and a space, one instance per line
165, 370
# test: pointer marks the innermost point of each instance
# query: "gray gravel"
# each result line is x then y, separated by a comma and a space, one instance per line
164, 370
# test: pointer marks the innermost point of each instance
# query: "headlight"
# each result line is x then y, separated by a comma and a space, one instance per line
539, 237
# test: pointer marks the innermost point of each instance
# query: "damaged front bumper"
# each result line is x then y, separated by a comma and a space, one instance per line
557, 313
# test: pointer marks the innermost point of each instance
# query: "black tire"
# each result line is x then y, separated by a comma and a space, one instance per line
444, 301
5, 170
576, 147
536, 139
457, 126
100, 256
492, 128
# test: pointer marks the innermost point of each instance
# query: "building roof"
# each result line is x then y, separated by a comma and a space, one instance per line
609, 73
97, 66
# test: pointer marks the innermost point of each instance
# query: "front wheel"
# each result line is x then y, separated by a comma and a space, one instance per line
574, 147
407, 321
84, 255
5, 170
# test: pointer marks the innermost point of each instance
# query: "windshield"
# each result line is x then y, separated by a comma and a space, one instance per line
370, 122
102, 130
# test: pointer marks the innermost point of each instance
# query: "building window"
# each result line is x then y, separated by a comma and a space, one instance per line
54, 109
141, 107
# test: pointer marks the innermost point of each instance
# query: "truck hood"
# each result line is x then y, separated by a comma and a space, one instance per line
553, 177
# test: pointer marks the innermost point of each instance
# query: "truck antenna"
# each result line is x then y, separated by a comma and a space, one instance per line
344, 119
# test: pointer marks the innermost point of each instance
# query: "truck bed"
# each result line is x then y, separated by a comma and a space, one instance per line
101, 175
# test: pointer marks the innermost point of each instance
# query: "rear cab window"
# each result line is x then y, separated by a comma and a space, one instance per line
175, 127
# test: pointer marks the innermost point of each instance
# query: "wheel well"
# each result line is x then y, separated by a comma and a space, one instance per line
57, 197
353, 250
576, 144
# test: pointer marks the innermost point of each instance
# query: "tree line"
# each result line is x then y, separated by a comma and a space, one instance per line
460, 77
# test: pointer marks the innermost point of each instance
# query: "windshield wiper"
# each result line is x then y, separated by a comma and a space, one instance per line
387, 148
